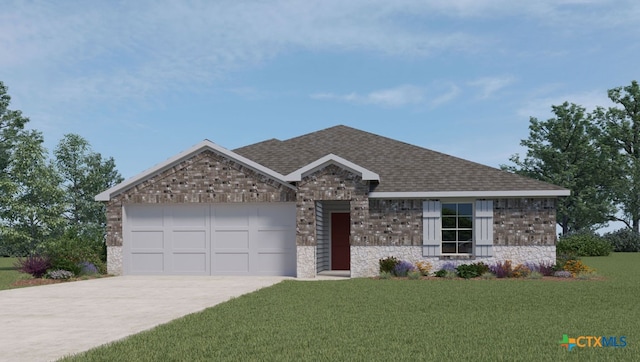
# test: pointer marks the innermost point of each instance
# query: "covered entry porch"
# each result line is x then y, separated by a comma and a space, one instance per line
333, 231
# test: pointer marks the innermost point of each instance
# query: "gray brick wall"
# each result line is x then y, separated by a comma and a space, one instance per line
205, 178
331, 183
526, 221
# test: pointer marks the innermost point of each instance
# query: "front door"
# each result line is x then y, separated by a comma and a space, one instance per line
340, 248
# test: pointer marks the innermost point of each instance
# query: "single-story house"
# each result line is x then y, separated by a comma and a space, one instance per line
335, 199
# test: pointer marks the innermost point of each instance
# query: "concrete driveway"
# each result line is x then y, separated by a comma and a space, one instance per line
48, 322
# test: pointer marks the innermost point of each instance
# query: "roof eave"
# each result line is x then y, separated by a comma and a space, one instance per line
475, 194
331, 159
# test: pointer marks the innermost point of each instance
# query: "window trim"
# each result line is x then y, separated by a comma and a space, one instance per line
457, 228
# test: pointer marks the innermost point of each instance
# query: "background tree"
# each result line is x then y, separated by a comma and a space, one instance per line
620, 137
11, 123
34, 203
84, 175
562, 151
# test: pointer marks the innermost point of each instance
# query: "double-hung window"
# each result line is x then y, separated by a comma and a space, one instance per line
457, 228
452, 227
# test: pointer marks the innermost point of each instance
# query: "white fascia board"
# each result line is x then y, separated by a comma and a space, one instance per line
447, 194
329, 159
205, 145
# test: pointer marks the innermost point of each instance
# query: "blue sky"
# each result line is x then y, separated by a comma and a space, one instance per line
144, 80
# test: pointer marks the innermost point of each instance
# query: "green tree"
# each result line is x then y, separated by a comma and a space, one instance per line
620, 137
562, 151
85, 174
11, 123
33, 205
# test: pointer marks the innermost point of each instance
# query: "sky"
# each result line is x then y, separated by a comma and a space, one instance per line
145, 80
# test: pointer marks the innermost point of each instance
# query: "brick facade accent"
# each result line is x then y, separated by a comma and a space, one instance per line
395, 222
205, 178
330, 183
526, 221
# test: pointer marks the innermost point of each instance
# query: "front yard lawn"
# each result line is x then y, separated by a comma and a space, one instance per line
8, 273
401, 320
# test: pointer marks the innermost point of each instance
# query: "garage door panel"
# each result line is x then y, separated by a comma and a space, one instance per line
189, 216
147, 263
275, 239
189, 239
231, 263
145, 216
231, 239
223, 239
190, 263
276, 216
231, 215
276, 264
143, 239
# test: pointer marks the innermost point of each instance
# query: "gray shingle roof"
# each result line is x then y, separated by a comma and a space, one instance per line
402, 167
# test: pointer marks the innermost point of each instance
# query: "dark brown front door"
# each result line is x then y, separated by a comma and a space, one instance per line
340, 251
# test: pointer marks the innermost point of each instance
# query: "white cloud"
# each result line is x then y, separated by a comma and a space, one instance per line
392, 97
490, 85
400, 96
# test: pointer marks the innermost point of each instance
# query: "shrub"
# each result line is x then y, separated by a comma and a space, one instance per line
70, 250
36, 265
535, 275
471, 270
60, 274
388, 264
449, 266
623, 240
442, 273
546, 269
562, 274
403, 268
424, 267
386, 275
414, 274
576, 267
521, 271
584, 244
502, 270
87, 268
488, 275
65, 264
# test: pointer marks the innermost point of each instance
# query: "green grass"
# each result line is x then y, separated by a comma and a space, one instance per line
8, 273
365, 319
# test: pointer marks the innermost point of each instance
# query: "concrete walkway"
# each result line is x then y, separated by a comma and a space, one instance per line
48, 322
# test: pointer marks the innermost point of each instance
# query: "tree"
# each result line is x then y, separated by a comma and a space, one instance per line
562, 151
84, 174
33, 205
620, 137
11, 123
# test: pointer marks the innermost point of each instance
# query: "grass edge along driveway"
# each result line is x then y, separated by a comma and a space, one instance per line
367, 319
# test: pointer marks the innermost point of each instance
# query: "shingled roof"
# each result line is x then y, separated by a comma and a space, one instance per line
402, 167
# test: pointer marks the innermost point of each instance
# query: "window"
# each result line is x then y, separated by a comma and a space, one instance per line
457, 228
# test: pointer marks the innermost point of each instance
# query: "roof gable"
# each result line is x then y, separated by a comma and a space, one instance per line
205, 145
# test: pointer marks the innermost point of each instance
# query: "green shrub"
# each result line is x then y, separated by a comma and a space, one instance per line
535, 275
584, 244
68, 251
386, 275
488, 275
441, 273
414, 274
623, 240
474, 270
388, 264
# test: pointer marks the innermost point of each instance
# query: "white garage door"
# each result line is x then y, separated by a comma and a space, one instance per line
218, 239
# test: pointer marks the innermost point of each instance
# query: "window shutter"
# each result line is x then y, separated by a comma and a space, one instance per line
484, 228
431, 226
